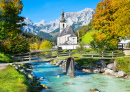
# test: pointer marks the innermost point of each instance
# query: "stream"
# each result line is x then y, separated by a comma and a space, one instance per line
82, 82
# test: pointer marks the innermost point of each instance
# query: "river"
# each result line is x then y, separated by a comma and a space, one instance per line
82, 82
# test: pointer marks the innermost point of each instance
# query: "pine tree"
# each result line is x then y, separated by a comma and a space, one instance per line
10, 21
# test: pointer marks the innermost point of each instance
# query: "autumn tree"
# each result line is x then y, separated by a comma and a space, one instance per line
46, 45
110, 21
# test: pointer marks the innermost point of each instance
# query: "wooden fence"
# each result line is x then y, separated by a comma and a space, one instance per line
62, 54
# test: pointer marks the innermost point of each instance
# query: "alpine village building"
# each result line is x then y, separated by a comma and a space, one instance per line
67, 38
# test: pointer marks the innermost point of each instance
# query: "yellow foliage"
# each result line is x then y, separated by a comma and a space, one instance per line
46, 45
111, 20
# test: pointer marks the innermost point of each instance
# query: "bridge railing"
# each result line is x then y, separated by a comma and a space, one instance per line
67, 53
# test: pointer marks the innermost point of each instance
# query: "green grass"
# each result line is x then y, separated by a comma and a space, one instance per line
87, 37
85, 62
123, 63
12, 81
5, 58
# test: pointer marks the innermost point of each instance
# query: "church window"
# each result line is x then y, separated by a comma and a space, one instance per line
63, 25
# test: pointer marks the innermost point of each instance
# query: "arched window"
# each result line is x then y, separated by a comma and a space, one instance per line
63, 25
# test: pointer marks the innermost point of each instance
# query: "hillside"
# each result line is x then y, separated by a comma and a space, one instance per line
87, 37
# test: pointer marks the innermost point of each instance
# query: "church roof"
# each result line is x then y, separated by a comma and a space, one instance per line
68, 30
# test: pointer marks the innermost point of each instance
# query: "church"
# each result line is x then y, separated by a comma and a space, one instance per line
67, 38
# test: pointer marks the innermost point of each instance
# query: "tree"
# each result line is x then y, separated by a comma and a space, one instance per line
121, 24
111, 19
85, 29
46, 45
10, 20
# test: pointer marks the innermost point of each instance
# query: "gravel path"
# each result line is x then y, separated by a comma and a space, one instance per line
3, 65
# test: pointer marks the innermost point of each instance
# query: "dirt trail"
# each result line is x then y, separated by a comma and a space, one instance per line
3, 65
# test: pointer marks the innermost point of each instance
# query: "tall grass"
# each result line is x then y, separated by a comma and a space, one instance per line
12, 81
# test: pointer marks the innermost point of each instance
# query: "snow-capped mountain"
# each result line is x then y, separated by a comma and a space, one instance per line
76, 19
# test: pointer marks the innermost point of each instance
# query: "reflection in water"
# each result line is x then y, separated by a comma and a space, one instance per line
81, 83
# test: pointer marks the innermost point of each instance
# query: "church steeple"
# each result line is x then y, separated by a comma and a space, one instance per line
62, 18
62, 22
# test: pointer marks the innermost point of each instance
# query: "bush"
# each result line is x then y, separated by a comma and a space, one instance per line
16, 45
123, 64
81, 47
5, 58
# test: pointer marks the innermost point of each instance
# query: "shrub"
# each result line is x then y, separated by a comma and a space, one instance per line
81, 47
5, 58
123, 64
17, 45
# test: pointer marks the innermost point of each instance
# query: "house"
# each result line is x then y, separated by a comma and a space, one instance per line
125, 43
67, 38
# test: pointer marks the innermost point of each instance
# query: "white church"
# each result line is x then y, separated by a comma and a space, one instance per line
67, 38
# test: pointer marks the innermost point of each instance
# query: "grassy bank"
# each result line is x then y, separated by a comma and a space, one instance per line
123, 64
87, 37
87, 62
5, 58
12, 81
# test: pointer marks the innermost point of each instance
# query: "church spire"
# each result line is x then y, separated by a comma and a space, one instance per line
62, 18
62, 22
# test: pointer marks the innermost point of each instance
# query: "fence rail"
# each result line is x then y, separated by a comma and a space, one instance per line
90, 54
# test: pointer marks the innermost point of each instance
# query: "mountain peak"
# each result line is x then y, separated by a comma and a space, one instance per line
75, 19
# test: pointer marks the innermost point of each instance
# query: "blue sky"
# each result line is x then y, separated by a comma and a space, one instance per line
50, 10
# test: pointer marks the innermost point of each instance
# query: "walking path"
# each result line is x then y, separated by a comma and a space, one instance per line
3, 65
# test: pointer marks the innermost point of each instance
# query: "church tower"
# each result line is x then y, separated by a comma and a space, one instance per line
62, 22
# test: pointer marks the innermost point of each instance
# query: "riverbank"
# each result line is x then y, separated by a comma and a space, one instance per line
119, 68
12, 81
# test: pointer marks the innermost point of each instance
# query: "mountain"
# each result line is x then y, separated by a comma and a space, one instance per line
75, 19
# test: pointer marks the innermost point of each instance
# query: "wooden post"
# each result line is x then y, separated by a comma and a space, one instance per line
102, 54
14, 58
69, 52
92, 53
36, 55
57, 53
81, 53
112, 54
29, 56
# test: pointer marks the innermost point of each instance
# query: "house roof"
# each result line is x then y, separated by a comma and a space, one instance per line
69, 30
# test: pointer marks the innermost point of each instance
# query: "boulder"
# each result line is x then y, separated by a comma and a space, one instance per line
59, 62
44, 86
102, 70
109, 71
111, 66
77, 67
75, 63
86, 70
22, 71
58, 76
120, 74
54, 63
96, 71
42, 78
30, 81
94, 90
84, 67
103, 63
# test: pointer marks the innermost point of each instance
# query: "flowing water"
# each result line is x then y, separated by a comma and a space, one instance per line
82, 82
